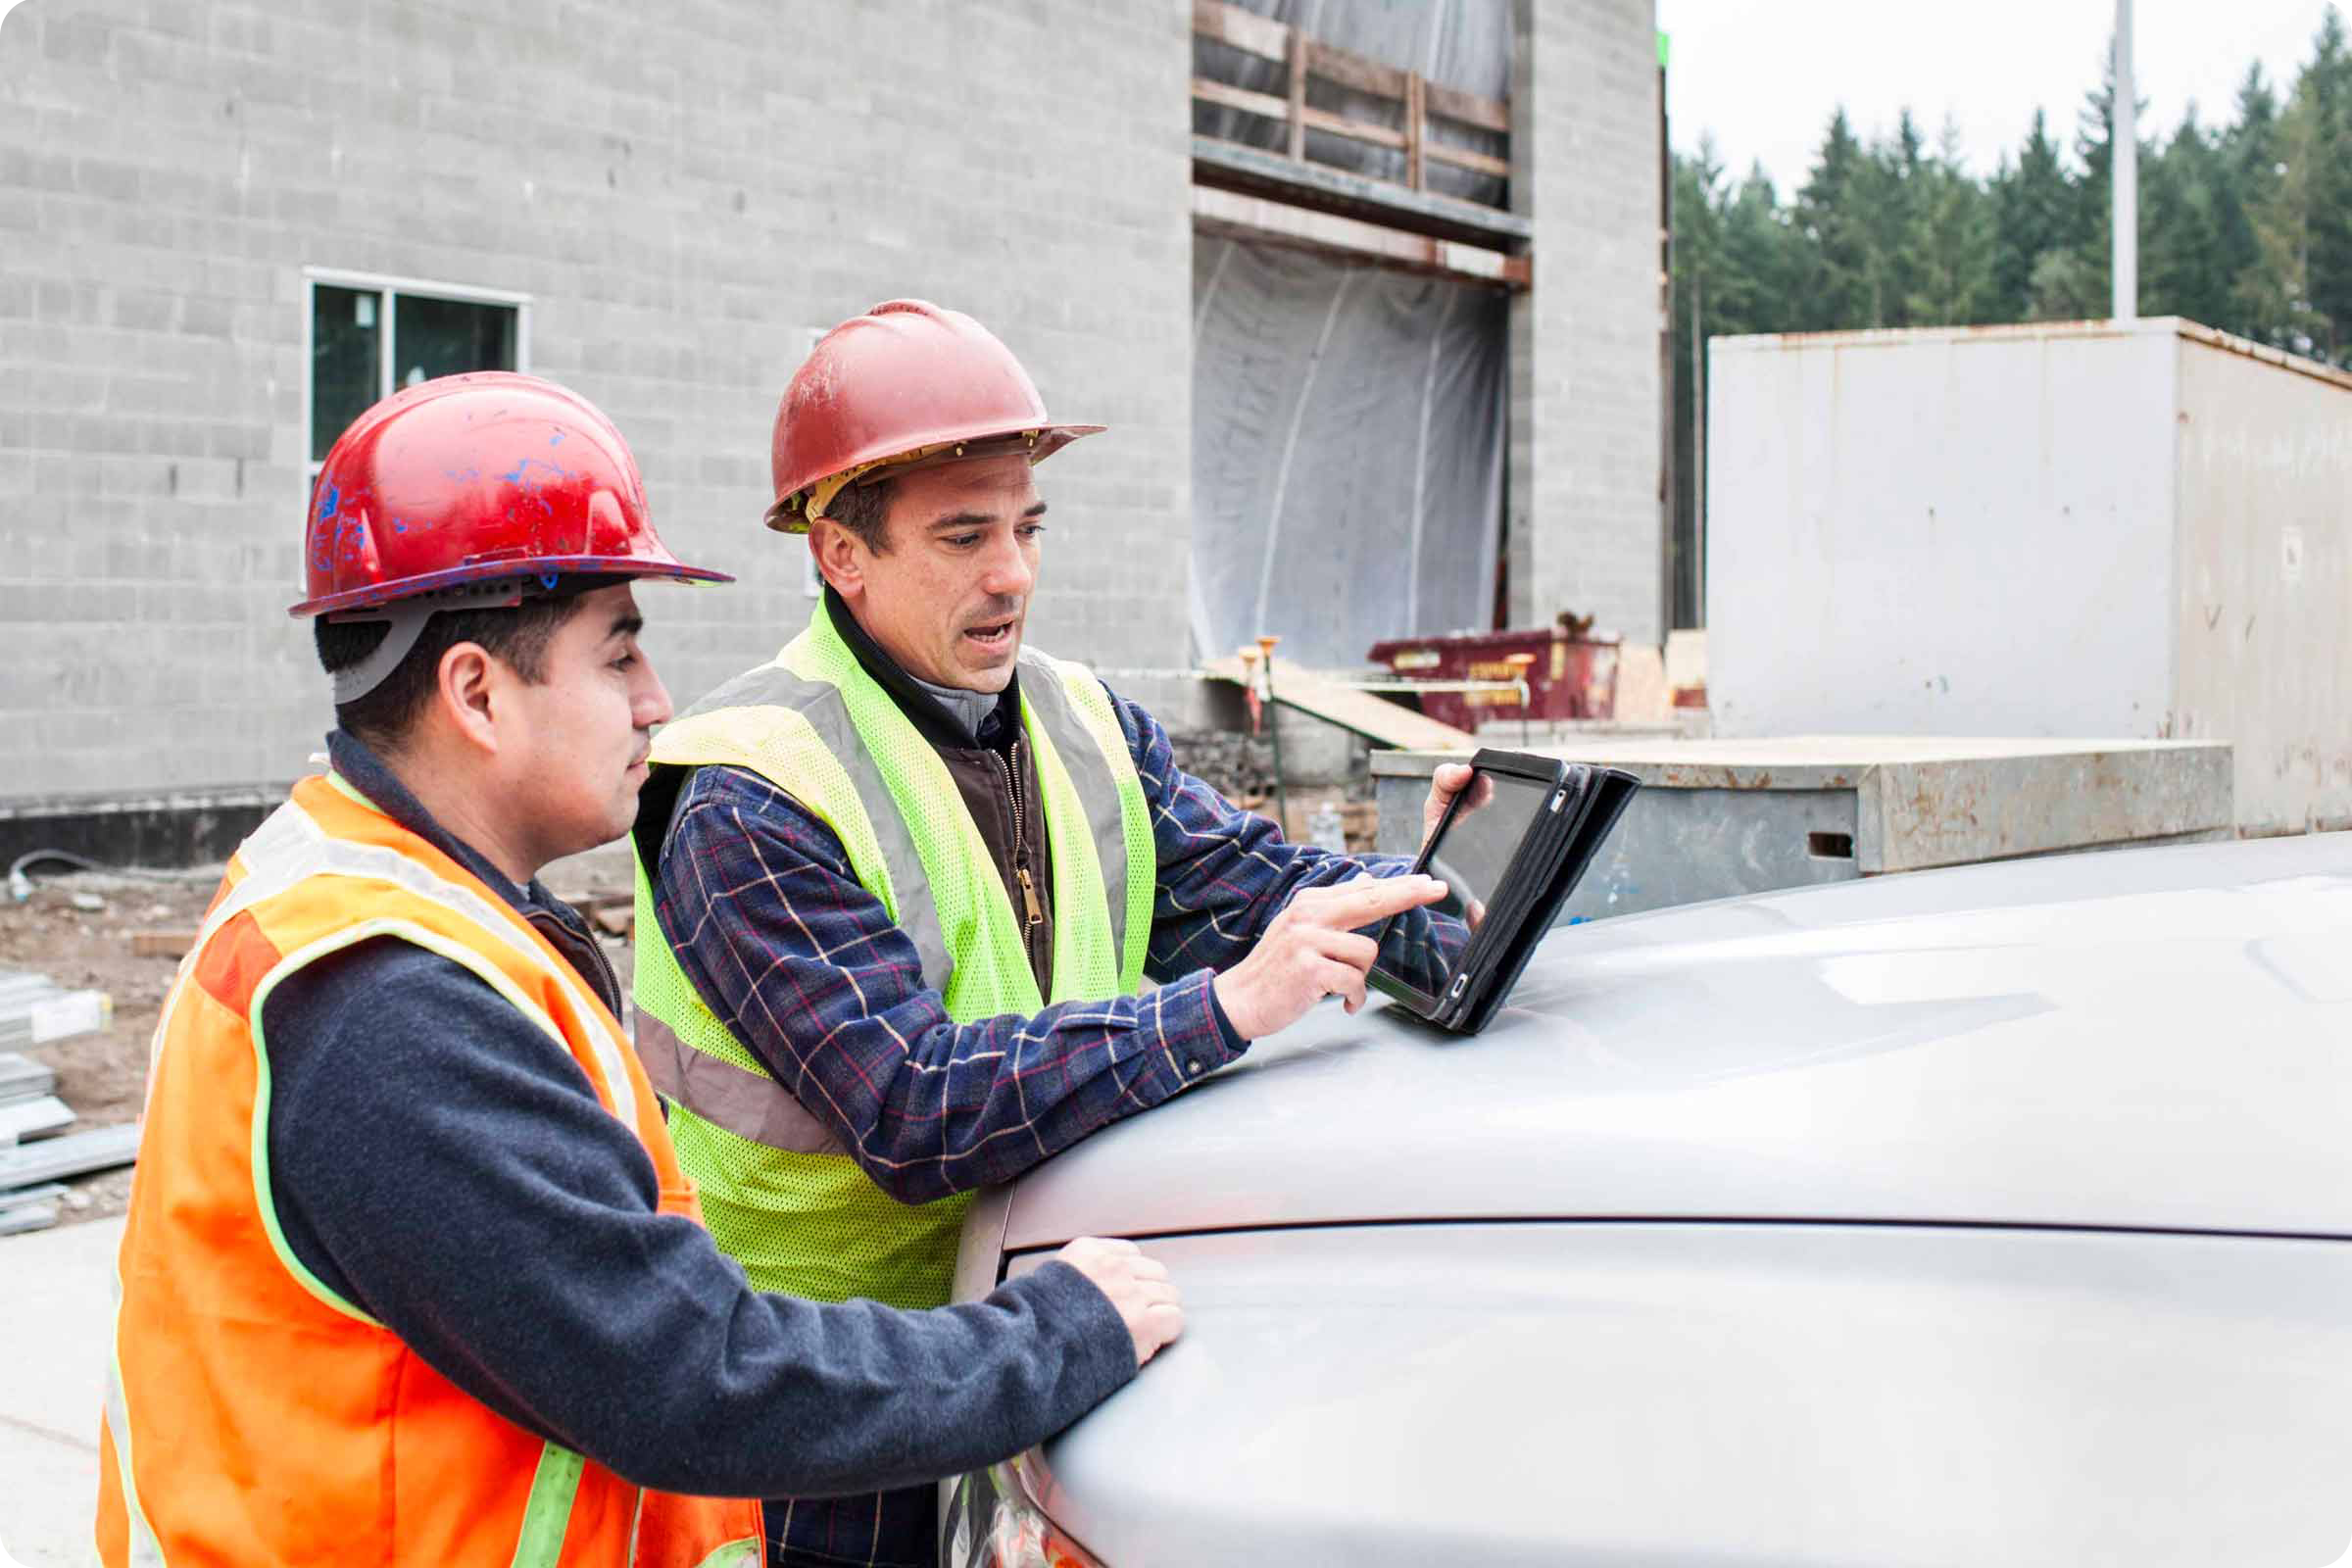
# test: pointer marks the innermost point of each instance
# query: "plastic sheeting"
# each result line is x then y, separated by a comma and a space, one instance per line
1464, 44
1347, 436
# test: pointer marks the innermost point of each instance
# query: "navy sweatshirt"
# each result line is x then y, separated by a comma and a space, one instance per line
440, 1162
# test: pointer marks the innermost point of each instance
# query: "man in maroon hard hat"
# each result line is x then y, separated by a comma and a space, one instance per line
900, 887
411, 1273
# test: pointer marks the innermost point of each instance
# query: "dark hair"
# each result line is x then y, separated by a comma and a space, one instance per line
865, 510
516, 637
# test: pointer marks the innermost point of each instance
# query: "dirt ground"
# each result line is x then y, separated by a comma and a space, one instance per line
102, 1076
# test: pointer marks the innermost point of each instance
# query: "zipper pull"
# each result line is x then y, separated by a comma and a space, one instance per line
1029, 896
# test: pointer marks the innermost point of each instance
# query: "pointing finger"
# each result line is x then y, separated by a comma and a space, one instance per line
1365, 899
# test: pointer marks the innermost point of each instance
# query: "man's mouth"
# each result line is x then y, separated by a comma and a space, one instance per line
993, 637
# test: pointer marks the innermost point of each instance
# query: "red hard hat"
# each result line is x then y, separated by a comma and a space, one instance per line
907, 380
471, 478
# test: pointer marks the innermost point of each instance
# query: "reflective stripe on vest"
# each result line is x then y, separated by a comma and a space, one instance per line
780, 1194
307, 1429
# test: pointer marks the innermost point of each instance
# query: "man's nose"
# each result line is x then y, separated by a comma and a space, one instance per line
1008, 574
649, 703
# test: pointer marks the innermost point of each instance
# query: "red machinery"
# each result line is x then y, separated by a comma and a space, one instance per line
1566, 672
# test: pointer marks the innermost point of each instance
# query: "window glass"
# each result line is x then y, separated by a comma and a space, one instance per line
346, 368
447, 337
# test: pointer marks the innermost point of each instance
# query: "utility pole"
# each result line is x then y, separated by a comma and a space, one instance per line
2124, 170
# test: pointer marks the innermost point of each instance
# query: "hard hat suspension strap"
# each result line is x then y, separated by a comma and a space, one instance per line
404, 620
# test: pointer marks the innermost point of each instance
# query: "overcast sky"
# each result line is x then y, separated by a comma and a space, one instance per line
1762, 75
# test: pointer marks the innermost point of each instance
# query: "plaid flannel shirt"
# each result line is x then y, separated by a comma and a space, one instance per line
807, 970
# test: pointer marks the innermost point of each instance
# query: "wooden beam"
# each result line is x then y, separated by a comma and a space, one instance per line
1265, 171
1254, 217
1470, 109
1464, 158
161, 944
1353, 129
1268, 39
1376, 719
1417, 130
1304, 57
1351, 70
1245, 30
1248, 102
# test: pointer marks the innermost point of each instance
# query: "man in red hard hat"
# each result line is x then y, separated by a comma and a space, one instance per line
900, 888
411, 1273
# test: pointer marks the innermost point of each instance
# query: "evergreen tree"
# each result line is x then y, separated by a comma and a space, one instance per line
1952, 242
2094, 148
1895, 193
2276, 292
2298, 293
2183, 265
2246, 225
2249, 154
2325, 93
1758, 278
1837, 282
2037, 209
2079, 285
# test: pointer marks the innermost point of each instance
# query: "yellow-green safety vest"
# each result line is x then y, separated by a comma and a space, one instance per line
779, 1193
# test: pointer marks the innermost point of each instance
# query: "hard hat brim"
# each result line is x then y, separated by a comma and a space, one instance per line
550, 566
1036, 443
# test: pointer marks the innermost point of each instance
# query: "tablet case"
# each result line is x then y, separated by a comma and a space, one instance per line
1558, 848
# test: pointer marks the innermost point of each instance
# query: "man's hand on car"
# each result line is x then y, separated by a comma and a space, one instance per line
1312, 951
1138, 1286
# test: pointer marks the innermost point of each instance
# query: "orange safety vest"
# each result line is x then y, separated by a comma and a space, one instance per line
251, 1414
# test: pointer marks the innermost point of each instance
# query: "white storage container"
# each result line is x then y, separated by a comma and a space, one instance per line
2136, 529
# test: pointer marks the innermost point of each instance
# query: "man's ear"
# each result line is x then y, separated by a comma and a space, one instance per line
465, 688
840, 557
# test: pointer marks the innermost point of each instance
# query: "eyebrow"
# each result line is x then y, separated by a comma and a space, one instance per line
628, 623
981, 520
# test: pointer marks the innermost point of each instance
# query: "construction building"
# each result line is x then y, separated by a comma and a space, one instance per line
1369, 296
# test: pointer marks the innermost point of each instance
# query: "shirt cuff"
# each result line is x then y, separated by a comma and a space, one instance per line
1195, 1037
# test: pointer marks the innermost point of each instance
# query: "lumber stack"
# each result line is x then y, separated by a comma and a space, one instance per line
36, 1150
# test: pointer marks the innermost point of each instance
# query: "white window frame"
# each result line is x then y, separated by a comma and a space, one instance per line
384, 287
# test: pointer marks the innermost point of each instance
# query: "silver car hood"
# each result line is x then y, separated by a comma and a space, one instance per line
2154, 1038
1630, 1396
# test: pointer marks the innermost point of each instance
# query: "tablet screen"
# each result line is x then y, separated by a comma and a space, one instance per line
1473, 850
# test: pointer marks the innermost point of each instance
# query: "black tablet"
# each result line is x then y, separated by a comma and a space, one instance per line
1511, 847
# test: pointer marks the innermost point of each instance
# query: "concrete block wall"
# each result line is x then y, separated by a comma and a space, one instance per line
1582, 503
684, 191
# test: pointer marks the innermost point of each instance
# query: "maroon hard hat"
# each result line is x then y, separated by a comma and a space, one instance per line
906, 382
468, 479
